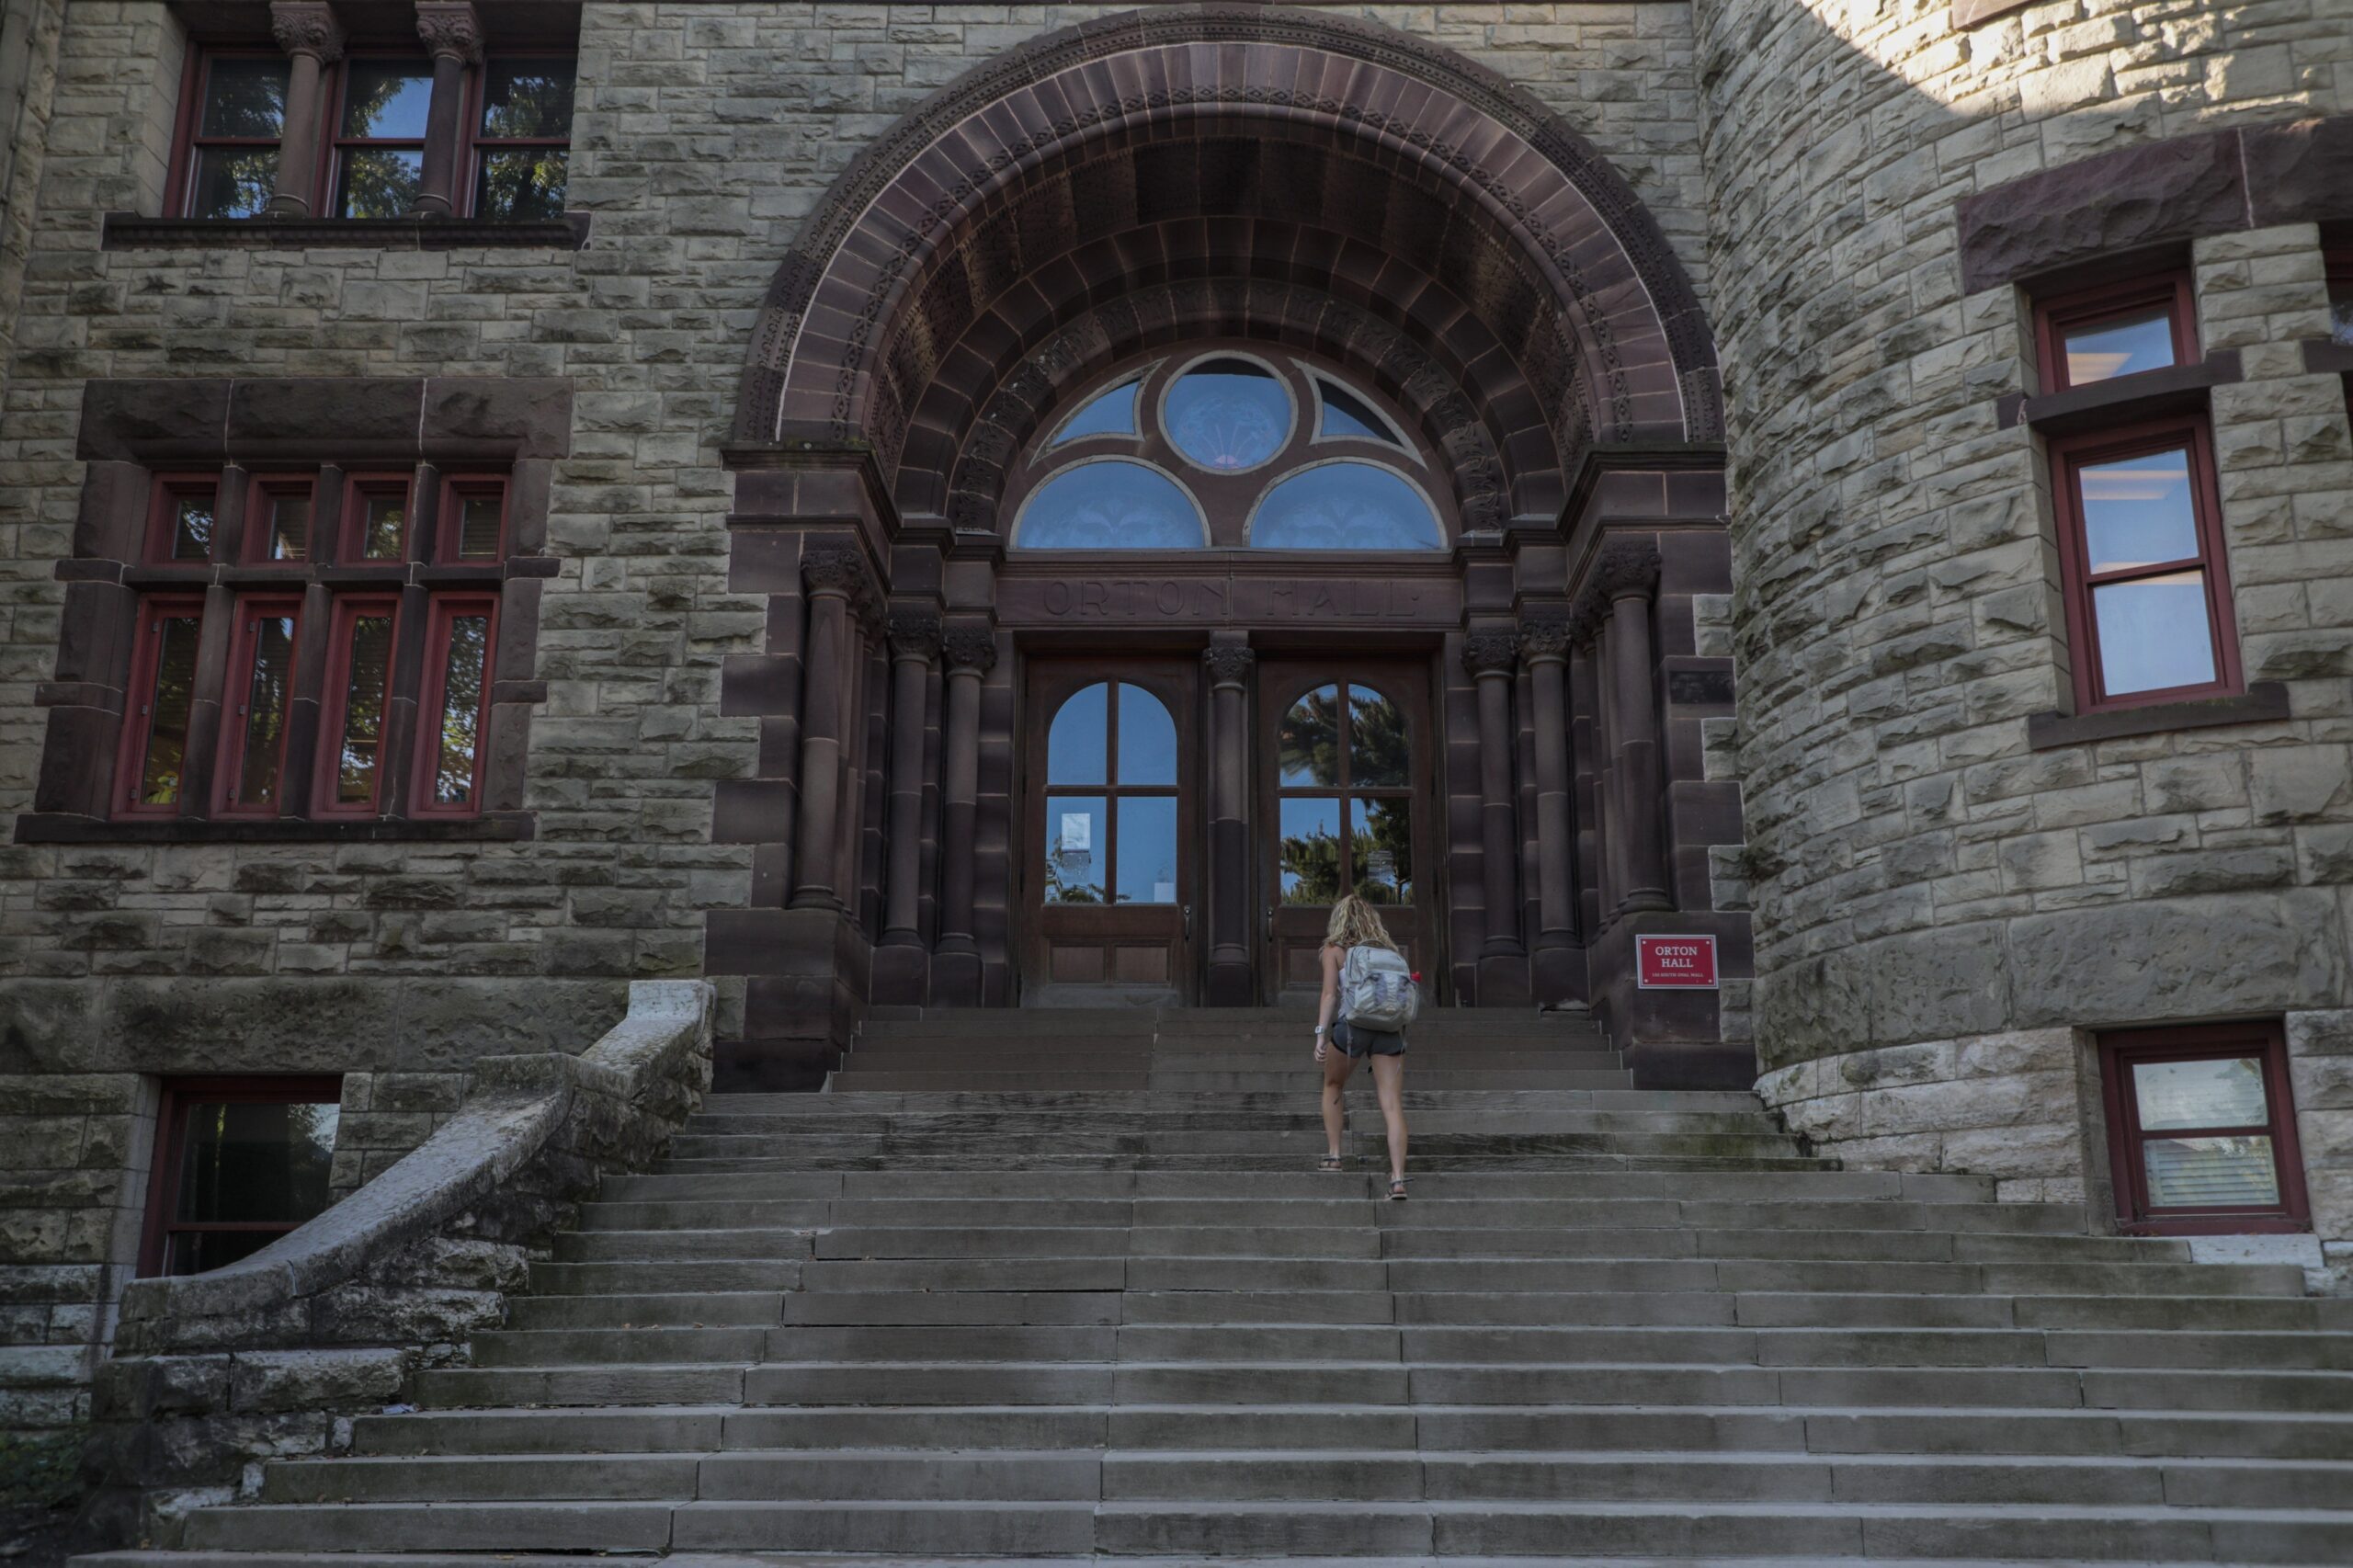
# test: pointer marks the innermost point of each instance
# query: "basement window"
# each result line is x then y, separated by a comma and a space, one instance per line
2203, 1130
239, 1162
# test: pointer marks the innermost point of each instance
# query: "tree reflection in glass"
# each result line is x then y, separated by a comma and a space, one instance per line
1307, 742
461, 718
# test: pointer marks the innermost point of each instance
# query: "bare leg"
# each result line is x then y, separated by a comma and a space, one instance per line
1388, 1082
1337, 1065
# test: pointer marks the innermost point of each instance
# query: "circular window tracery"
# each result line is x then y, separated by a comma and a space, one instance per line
1224, 449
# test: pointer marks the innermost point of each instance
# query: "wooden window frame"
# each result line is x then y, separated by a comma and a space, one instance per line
335, 701
2120, 1050
263, 488
249, 611
2069, 456
138, 732
171, 1147
334, 146
2055, 317
357, 488
455, 489
162, 518
187, 145
473, 143
443, 609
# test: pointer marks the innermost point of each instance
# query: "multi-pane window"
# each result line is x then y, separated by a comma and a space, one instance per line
1343, 797
2148, 592
2203, 1129
2340, 296
236, 125
1111, 798
511, 136
239, 1162
425, 640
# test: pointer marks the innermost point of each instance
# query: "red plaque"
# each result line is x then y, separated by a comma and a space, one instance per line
1668, 962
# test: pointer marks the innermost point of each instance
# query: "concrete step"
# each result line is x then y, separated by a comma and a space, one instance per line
994, 1180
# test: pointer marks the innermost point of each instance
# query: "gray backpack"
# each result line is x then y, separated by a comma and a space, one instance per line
1377, 990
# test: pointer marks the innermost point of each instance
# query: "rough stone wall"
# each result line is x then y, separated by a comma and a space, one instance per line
29, 34
1924, 883
704, 132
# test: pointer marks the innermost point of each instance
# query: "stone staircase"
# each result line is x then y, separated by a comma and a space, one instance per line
1057, 1285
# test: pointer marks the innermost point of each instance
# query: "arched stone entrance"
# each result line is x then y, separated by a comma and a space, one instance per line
1314, 187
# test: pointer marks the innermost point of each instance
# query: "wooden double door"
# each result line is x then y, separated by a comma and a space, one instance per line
1115, 827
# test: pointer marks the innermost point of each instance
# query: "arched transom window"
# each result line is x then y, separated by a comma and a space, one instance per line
1226, 447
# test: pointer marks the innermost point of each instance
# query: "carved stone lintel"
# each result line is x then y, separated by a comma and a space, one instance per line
1490, 652
1627, 568
915, 634
1228, 666
1546, 637
307, 26
970, 648
451, 28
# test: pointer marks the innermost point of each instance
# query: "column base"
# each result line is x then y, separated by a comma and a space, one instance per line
1557, 975
1504, 980
956, 975
901, 971
1228, 984
807, 975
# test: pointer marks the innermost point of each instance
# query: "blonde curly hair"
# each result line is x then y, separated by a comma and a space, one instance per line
1356, 924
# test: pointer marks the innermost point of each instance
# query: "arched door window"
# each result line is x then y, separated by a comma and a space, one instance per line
1226, 447
1343, 791
1111, 798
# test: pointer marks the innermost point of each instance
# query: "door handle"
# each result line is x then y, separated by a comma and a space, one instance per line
1188, 923
1269, 922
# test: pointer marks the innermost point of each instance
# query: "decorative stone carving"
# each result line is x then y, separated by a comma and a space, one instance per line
1546, 637
307, 26
845, 571
451, 28
915, 634
1587, 617
969, 648
1490, 652
1227, 665
1628, 569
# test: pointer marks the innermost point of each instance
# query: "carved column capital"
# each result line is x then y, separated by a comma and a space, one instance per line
1229, 667
1585, 618
969, 648
1544, 637
915, 634
307, 26
1490, 652
844, 571
1628, 568
450, 27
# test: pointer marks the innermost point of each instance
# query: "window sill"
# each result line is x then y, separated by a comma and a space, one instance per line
65, 827
130, 231
2264, 702
2326, 356
2176, 389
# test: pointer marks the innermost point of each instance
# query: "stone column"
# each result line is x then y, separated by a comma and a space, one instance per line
1229, 979
1489, 655
1544, 645
307, 31
970, 653
1627, 576
915, 643
453, 33
837, 579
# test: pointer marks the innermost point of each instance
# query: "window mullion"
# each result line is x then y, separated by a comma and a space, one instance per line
211, 700
452, 33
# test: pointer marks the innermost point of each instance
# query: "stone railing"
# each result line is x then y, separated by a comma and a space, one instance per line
272, 1354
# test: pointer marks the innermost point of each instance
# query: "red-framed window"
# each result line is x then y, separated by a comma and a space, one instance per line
2116, 330
239, 1162
153, 761
381, 103
233, 124
473, 519
260, 701
376, 510
278, 518
2141, 544
357, 705
521, 133
454, 709
2340, 296
183, 520
2202, 1129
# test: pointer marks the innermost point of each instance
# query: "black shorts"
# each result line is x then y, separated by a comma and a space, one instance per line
1354, 1042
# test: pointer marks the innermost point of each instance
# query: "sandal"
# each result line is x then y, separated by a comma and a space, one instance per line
1397, 1189
1330, 1162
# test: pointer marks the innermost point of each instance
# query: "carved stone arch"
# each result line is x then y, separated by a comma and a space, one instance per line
868, 309
1170, 314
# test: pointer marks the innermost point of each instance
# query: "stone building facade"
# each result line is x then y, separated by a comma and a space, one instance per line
1722, 346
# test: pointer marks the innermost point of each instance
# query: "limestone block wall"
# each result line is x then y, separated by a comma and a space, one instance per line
1940, 907
703, 134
